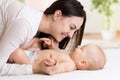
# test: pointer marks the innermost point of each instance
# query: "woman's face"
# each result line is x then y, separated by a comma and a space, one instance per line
62, 27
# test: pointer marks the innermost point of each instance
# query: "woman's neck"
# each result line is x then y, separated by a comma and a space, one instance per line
45, 24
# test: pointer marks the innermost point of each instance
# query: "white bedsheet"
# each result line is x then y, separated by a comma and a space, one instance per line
111, 71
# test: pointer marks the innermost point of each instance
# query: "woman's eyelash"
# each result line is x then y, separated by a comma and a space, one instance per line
71, 27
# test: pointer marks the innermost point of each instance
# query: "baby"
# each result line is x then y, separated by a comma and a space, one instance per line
87, 57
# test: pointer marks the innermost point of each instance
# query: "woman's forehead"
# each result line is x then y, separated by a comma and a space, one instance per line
77, 21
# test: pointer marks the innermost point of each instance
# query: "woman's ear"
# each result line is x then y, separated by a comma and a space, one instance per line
83, 64
57, 15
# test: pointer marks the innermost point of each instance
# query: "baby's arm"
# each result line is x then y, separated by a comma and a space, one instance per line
49, 43
34, 44
19, 57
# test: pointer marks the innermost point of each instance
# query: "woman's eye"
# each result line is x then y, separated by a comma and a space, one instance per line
72, 27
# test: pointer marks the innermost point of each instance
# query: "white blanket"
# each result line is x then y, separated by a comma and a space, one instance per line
111, 71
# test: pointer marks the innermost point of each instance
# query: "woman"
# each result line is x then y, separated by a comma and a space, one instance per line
20, 24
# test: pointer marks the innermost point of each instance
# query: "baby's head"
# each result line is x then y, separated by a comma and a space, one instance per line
88, 57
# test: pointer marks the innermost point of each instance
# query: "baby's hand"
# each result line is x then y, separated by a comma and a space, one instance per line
49, 43
48, 66
51, 61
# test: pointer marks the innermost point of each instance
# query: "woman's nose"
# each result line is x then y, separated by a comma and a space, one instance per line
70, 34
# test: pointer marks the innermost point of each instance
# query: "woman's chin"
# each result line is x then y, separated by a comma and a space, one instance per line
58, 40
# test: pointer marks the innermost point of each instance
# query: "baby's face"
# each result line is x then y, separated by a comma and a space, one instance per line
78, 54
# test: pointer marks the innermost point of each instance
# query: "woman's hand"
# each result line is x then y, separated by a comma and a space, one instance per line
49, 43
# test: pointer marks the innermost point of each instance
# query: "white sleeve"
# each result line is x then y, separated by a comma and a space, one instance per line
13, 38
14, 69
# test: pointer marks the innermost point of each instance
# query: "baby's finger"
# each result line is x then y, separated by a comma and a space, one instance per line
46, 41
50, 62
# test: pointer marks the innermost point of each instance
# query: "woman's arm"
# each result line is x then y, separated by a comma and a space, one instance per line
12, 39
15, 69
20, 24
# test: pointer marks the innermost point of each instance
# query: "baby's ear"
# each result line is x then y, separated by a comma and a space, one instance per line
83, 64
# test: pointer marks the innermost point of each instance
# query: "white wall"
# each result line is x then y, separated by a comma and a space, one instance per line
94, 19
39, 4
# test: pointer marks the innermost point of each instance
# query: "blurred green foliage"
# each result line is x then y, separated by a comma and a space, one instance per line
104, 7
